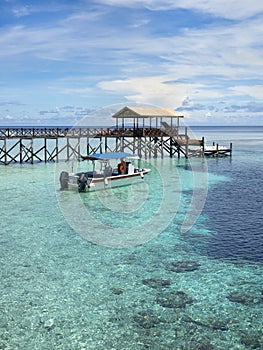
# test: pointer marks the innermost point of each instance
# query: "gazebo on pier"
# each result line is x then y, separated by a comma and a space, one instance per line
152, 131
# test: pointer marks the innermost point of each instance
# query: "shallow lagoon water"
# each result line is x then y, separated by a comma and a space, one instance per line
59, 290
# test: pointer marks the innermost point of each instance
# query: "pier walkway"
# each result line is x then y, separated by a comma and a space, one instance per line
52, 144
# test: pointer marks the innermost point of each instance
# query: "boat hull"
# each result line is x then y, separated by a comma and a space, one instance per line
103, 183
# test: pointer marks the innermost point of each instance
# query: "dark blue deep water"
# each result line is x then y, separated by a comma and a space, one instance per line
234, 207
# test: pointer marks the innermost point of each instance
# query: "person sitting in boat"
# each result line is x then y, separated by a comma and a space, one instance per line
122, 167
108, 170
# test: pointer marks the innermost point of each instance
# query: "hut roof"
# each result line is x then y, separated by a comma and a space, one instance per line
146, 112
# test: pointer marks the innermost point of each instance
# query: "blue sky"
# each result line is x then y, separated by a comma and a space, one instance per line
60, 60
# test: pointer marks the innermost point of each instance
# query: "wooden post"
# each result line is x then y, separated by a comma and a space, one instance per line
56, 148
32, 149
106, 144
45, 149
79, 138
88, 145
171, 148
155, 147
139, 147
5, 151
67, 148
187, 142
203, 147
21, 151
187, 148
100, 145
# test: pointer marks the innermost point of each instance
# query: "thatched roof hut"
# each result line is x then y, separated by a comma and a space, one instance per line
135, 113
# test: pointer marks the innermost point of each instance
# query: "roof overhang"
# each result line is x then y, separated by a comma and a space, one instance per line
109, 156
147, 112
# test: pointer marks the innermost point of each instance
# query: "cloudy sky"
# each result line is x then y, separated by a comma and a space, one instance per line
61, 59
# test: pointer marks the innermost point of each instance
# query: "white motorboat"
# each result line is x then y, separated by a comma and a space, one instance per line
104, 174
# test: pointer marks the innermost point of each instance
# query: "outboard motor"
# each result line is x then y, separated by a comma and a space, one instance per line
82, 182
63, 180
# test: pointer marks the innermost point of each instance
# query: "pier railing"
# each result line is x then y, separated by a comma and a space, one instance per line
52, 132
49, 132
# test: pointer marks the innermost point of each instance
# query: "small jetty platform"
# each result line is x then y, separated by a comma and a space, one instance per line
218, 151
150, 132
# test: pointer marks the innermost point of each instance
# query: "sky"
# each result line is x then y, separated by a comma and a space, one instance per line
62, 60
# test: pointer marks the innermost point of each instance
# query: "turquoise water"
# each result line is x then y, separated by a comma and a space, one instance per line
174, 262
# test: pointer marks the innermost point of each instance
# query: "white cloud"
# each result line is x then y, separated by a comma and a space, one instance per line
255, 91
230, 9
21, 11
149, 90
8, 117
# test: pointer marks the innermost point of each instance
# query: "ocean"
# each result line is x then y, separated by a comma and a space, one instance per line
175, 262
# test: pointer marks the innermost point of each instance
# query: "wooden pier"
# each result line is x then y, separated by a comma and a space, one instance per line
217, 151
148, 132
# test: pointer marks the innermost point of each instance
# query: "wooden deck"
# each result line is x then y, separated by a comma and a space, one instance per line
45, 144
217, 151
